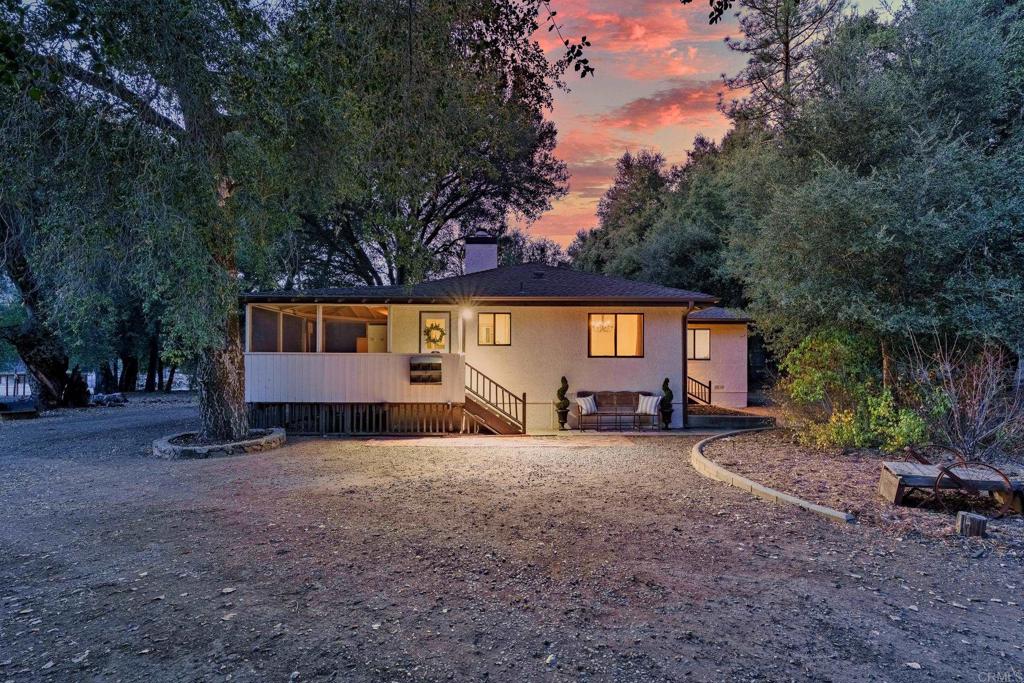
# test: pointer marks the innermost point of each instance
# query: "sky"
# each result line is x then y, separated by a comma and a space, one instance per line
659, 72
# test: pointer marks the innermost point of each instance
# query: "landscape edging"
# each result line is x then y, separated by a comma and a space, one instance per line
163, 448
708, 468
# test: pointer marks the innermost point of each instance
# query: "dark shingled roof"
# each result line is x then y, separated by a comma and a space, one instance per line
526, 283
716, 314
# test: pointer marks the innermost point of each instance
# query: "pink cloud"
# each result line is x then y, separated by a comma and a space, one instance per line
563, 222
685, 103
647, 26
589, 180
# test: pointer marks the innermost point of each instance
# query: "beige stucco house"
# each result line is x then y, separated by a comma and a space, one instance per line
482, 351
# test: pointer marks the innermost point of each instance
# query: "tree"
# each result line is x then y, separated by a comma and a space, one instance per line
40, 146
516, 246
625, 214
260, 122
910, 224
686, 245
443, 135
780, 37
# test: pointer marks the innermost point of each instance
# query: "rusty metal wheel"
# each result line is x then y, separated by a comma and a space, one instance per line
946, 472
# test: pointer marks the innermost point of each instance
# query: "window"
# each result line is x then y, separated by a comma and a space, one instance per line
494, 329
698, 344
434, 331
618, 335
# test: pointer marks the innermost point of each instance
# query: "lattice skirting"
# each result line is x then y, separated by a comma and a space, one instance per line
358, 418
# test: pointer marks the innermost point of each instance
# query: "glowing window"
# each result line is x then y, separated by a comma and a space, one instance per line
494, 329
434, 329
698, 344
619, 335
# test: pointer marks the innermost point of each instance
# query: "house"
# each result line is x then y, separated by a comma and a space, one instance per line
482, 351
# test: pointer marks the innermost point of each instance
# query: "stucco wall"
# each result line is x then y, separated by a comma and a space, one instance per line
727, 369
548, 342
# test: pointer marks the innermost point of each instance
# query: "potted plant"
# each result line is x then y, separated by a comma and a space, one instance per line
666, 403
562, 404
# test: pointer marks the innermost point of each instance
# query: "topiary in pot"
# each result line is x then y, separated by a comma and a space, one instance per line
562, 404
666, 403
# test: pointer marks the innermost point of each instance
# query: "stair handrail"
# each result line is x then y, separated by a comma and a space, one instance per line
507, 403
699, 390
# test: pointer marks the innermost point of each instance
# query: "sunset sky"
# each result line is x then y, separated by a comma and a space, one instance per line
659, 67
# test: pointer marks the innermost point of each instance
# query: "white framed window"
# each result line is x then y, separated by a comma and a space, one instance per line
494, 329
435, 328
698, 344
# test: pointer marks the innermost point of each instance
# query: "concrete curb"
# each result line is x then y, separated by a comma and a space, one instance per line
163, 448
711, 470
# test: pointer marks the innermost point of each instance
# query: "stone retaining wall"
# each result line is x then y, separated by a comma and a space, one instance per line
163, 448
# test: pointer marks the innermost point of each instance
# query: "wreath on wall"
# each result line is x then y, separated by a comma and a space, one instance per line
434, 334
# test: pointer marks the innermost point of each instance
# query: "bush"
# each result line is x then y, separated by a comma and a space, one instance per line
828, 372
971, 400
891, 427
832, 388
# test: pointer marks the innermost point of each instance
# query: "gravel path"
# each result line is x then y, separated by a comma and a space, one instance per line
519, 559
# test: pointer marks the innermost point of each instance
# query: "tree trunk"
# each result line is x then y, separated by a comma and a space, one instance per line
220, 375
153, 364
887, 375
169, 384
45, 359
129, 373
106, 383
39, 348
1018, 377
160, 375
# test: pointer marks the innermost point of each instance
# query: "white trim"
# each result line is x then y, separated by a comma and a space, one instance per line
319, 328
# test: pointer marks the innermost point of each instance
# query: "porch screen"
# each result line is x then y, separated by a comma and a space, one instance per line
264, 330
618, 335
298, 329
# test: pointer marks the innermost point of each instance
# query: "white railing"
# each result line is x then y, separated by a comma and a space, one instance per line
14, 384
348, 378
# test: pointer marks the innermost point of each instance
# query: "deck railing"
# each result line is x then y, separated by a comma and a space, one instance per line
503, 401
698, 391
14, 384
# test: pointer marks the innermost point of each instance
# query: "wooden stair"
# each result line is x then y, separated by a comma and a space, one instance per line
492, 407
698, 392
489, 420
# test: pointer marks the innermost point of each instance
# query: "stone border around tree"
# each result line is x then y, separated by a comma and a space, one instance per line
712, 470
163, 448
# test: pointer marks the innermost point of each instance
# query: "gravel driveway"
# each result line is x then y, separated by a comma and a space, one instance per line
518, 559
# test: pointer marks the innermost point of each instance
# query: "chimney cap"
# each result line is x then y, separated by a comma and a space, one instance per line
481, 237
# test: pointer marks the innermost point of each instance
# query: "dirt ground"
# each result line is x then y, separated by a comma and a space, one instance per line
510, 559
847, 480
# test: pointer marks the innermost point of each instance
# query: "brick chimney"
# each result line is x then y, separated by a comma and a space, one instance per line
481, 252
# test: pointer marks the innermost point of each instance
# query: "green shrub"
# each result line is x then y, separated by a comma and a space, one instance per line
892, 427
832, 388
828, 372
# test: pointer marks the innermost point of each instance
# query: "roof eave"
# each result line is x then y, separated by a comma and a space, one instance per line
481, 301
